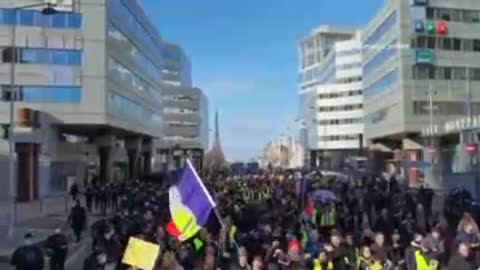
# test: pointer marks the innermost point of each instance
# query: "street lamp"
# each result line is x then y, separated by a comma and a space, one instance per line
49, 9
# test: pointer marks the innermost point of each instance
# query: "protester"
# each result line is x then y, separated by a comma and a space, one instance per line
28, 256
78, 220
57, 250
460, 261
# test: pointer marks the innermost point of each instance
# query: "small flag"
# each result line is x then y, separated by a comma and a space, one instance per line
141, 254
190, 205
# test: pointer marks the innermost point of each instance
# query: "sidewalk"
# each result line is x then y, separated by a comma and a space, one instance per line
40, 218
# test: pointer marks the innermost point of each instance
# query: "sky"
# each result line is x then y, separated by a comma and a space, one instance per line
244, 56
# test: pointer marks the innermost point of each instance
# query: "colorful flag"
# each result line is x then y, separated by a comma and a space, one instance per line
190, 205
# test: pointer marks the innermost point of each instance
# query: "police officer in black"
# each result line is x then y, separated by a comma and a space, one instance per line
57, 249
28, 256
78, 220
89, 194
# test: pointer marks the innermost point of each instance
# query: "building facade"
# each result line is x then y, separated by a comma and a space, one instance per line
421, 66
332, 101
185, 113
88, 92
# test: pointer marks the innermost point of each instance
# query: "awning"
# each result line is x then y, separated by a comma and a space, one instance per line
409, 144
380, 147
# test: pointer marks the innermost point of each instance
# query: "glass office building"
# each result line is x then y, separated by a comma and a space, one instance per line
421, 69
92, 77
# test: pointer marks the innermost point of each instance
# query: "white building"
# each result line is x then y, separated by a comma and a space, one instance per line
286, 153
332, 103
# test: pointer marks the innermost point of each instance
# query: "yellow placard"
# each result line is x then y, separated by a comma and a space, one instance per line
141, 254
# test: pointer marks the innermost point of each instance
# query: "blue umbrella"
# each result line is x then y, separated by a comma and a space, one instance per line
324, 195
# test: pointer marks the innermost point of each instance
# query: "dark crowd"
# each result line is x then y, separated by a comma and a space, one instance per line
275, 221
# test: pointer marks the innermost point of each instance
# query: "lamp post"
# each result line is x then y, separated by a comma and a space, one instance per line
49, 9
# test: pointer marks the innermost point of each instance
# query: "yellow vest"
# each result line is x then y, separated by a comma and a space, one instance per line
421, 261
317, 265
375, 265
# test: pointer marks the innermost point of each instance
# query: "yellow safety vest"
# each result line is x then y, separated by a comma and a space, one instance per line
232, 233
375, 265
421, 261
317, 265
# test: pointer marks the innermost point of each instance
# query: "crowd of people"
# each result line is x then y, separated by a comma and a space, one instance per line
280, 220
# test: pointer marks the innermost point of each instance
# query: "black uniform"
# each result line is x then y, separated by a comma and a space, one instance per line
28, 258
57, 247
78, 220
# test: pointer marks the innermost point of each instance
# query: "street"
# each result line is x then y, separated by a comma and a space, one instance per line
77, 254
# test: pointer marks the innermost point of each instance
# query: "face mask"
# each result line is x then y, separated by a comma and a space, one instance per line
102, 259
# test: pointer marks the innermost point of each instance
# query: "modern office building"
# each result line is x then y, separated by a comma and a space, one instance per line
331, 96
88, 83
185, 113
421, 68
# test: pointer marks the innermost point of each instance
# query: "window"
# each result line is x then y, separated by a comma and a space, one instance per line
447, 73
467, 45
59, 20
444, 14
74, 20
471, 16
421, 42
48, 94
476, 45
459, 73
26, 17
447, 43
384, 84
475, 74
431, 42
430, 13
457, 44
384, 28
7, 16
45, 56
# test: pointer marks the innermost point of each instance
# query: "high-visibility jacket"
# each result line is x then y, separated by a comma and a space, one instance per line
317, 265
372, 265
421, 261
232, 234
328, 218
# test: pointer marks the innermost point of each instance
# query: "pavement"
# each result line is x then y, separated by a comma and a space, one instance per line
41, 218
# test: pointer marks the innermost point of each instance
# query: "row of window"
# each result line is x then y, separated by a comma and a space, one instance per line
446, 43
445, 73
44, 94
455, 15
350, 107
119, 72
387, 25
127, 46
346, 121
132, 24
376, 117
25, 17
348, 52
341, 94
320, 74
43, 56
383, 84
183, 124
349, 66
341, 138
129, 109
378, 60
443, 108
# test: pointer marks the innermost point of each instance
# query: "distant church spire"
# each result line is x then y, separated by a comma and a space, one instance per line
215, 159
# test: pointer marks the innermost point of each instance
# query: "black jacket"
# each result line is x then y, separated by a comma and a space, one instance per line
458, 262
57, 245
27, 258
91, 263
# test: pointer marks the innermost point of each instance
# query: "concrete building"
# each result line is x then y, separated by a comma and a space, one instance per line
286, 153
185, 113
89, 92
331, 97
421, 67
